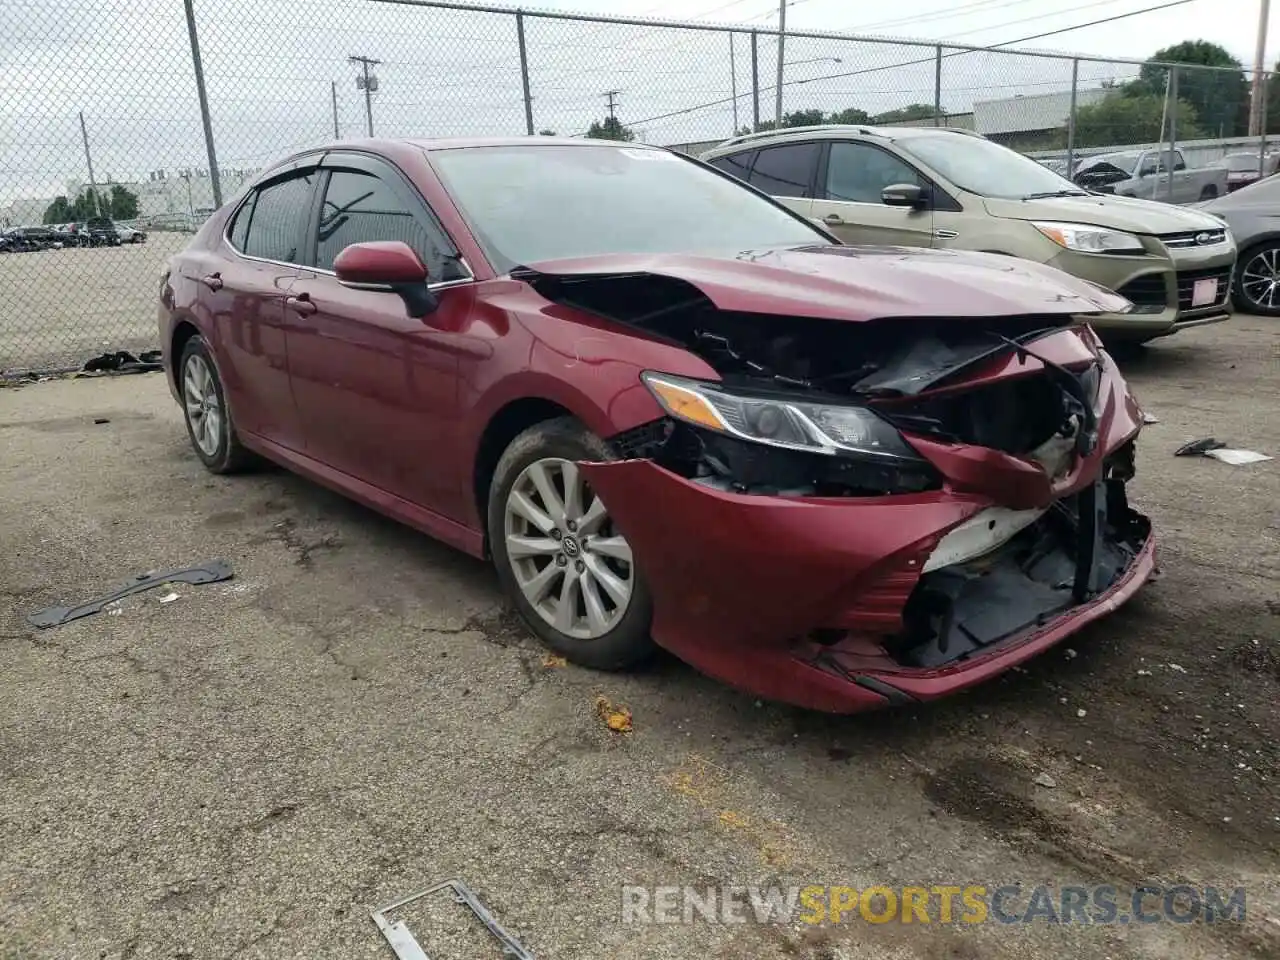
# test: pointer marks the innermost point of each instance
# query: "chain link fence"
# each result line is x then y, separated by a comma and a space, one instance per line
152, 113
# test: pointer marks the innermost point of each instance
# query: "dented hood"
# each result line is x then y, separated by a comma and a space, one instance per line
857, 283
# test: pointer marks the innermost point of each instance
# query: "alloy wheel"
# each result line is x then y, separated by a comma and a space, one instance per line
200, 398
572, 566
1260, 278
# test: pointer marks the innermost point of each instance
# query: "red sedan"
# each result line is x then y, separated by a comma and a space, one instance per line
672, 411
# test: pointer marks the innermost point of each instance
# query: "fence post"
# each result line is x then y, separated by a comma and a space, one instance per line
755, 81
215, 182
524, 74
782, 36
733, 80
937, 86
1071, 118
1262, 126
1173, 128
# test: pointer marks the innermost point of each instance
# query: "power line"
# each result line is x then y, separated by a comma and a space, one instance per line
931, 59
938, 15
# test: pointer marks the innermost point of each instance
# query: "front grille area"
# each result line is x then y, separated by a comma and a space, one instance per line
1194, 238
1187, 280
1147, 293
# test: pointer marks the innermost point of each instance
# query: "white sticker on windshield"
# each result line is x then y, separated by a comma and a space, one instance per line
648, 154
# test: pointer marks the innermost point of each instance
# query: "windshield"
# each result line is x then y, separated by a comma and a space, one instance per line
551, 201
985, 168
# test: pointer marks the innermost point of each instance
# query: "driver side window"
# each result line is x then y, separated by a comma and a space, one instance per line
859, 172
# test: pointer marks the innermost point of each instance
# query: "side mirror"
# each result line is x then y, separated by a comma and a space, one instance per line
390, 266
904, 195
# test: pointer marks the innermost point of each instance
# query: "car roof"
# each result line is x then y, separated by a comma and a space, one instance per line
432, 144
832, 131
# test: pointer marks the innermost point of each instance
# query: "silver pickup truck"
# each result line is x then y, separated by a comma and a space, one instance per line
1145, 174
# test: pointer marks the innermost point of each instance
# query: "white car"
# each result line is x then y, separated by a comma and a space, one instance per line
130, 234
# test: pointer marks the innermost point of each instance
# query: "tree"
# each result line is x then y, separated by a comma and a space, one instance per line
1126, 118
59, 211
123, 204
803, 118
912, 111
851, 115
610, 129
1220, 97
546, 133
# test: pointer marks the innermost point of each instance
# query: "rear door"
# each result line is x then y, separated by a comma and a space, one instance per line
245, 289
377, 388
788, 173
849, 201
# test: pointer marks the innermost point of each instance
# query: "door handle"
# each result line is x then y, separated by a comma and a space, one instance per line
213, 281
302, 304
833, 219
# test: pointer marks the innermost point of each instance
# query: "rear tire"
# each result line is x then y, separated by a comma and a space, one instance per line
204, 405
1255, 288
1210, 192
558, 555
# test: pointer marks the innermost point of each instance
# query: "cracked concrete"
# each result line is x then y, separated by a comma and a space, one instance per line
250, 770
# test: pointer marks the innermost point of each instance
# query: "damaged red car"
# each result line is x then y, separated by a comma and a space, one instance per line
673, 412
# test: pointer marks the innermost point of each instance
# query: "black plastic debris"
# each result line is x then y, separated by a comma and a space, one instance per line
210, 572
121, 362
1217, 450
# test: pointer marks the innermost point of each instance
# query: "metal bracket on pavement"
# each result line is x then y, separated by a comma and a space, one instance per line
210, 572
407, 948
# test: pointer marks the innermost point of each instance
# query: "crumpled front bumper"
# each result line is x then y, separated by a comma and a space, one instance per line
750, 589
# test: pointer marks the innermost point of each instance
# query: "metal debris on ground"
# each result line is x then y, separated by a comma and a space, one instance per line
617, 719
406, 947
1149, 418
1209, 447
210, 572
169, 598
121, 361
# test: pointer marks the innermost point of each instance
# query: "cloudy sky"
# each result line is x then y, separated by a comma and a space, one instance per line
270, 64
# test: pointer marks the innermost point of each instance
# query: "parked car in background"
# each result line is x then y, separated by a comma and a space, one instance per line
39, 238
1246, 168
130, 234
1253, 215
949, 189
837, 477
102, 232
1145, 174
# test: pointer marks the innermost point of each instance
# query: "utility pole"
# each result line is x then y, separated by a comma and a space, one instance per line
612, 96
782, 35
333, 84
368, 83
88, 161
1257, 121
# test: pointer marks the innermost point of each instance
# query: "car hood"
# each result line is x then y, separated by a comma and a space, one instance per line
856, 283
1119, 213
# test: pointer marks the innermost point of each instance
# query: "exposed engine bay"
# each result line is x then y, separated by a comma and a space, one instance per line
900, 368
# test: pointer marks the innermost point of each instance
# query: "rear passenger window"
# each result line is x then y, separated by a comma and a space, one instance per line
240, 225
785, 171
736, 165
360, 207
275, 222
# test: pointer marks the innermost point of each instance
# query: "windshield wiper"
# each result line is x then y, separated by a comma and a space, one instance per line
1056, 193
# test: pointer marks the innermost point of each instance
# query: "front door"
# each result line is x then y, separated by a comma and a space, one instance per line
376, 388
849, 201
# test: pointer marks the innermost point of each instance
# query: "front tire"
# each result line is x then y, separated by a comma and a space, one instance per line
1256, 286
558, 555
204, 406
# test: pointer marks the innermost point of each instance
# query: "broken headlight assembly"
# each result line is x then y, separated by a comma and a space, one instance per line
780, 421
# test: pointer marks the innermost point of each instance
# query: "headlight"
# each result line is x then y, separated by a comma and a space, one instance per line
779, 421
1088, 239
